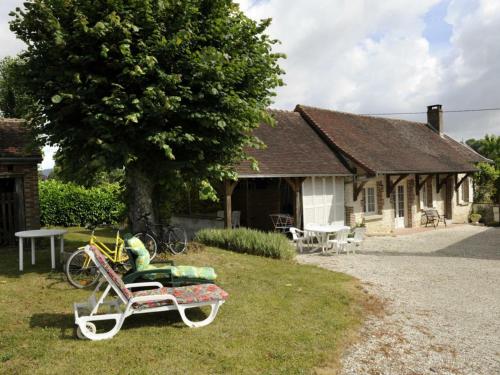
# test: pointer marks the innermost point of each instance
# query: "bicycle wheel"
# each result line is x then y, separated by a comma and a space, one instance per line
149, 242
177, 240
81, 270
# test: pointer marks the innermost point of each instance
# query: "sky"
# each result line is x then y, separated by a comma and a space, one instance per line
369, 56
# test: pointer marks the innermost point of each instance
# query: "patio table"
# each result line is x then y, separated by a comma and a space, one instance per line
322, 231
52, 233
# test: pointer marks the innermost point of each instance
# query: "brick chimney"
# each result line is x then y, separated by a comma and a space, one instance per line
435, 118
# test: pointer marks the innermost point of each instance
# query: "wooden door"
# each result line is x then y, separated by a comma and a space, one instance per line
8, 218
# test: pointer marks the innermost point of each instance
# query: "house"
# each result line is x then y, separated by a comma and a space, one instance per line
19, 205
328, 167
400, 167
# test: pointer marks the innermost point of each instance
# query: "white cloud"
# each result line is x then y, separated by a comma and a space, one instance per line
9, 45
48, 157
368, 57
371, 56
473, 78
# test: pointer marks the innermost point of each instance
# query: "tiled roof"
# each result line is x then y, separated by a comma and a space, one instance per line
382, 145
293, 149
15, 140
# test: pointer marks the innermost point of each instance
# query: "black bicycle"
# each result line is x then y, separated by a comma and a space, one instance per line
168, 237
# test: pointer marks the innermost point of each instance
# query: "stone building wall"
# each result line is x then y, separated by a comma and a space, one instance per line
461, 210
383, 221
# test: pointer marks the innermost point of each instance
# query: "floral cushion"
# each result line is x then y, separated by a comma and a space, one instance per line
184, 295
112, 274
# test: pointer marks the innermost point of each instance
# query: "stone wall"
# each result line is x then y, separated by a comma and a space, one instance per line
460, 209
382, 222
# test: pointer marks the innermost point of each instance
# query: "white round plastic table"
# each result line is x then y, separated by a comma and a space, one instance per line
322, 231
52, 233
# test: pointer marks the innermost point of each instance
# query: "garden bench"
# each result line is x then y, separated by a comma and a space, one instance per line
432, 216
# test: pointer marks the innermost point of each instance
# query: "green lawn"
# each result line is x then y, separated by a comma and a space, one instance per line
281, 317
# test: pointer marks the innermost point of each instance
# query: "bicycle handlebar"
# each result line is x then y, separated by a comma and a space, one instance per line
144, 216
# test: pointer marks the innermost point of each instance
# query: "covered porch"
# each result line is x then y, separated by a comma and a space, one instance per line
306, 199
395, 201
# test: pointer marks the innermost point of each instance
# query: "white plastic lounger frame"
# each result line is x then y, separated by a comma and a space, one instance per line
122, 307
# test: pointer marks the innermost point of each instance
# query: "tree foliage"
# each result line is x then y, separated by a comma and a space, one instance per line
14, 101
63, 173
487, 180
149, 85
489, 147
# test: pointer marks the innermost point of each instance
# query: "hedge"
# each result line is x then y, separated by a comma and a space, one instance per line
68, 204
249, 241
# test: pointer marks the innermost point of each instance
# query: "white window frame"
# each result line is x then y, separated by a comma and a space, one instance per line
374, 211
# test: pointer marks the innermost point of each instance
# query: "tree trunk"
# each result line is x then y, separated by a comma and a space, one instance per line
140, 189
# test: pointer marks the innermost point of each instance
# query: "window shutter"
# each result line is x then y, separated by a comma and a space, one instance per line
363, 200
465, 190
429, 193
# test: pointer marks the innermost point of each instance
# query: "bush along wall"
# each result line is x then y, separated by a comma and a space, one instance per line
68, 204
249, 241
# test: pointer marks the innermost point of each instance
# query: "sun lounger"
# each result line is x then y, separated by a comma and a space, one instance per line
128, 302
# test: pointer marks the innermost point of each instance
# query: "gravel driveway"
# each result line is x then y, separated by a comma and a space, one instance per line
442, 289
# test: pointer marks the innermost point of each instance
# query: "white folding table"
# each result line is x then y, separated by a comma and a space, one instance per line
52, 233
322, 231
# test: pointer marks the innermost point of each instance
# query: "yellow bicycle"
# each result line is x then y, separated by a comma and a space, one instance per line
82, 272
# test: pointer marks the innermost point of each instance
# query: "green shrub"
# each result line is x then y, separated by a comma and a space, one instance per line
242, 240
475, 218
68, 204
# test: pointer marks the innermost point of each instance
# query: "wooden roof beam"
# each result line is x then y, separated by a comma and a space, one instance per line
440, 183
418, 184
390, 185
459, 183
357, 187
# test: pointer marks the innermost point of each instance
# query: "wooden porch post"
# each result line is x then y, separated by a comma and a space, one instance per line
296, 185
228, 192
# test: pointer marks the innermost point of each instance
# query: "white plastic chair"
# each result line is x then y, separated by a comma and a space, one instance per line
359, 237
340, 242
235, 219
299, 237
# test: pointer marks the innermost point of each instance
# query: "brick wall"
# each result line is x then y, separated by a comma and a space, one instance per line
411, 204
380, 197
350, 218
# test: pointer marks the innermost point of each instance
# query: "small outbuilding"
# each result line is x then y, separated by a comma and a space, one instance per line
19, 204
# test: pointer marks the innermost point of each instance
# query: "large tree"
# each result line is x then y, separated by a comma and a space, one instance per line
160, 87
